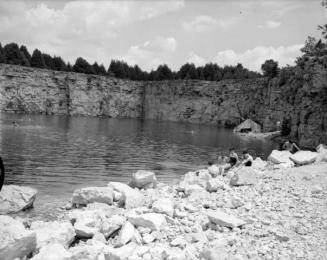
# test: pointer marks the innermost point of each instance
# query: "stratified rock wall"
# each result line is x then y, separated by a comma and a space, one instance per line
227, 103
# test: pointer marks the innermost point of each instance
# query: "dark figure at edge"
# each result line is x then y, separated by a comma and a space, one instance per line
2, 176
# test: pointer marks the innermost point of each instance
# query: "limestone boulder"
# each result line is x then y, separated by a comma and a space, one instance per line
304, 157
15, 198
154, 221
112, 224
130, 198
259, 164
244, 176
214, 170
223, 219
214, 184
164, 205
278, 157
322, 153
143, 179
53, 232
88, 195
126, 234
15, 240
53, 252
87, 222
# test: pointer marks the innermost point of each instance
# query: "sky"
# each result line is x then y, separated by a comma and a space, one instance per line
149, 33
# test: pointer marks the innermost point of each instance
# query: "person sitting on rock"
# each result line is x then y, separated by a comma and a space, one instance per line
291, 147
248, 159
233, 157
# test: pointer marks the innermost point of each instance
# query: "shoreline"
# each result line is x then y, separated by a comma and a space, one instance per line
267, 216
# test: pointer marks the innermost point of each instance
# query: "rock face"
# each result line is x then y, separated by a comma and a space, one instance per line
16, 198
34, 90
15, 240
88, 195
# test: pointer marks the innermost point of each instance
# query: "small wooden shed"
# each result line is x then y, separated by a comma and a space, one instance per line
248, 126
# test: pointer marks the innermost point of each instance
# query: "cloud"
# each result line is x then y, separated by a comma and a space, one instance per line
270, 25
196, 60
200, 23
152, 53
254, 58
75, 28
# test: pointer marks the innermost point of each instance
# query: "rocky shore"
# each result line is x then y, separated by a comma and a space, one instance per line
272, 210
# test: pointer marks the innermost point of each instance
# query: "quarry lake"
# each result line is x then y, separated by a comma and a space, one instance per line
57, 154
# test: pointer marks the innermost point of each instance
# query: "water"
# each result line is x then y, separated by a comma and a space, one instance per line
57, 154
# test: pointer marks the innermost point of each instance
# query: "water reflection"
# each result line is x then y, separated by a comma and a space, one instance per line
57, 154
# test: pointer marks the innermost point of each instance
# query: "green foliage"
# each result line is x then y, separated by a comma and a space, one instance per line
48, 60
2, 55
83, 66
59, 64
26, 53
37, 59
13, 55
270, 68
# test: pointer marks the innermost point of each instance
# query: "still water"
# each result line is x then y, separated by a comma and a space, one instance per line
57, 154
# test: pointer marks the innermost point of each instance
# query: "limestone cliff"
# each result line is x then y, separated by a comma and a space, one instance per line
302, 100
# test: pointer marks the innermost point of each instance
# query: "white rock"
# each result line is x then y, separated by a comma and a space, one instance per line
221, 218
53, 232
322, 153
121, 253
117, 196
53, 252
131, 198
87, 252
16, 198
190, 188
278, 157
126, 234
109, 226
179, 242
144, 179
148, 238
214, 170
214, 184
15, 240
99, 206
199, 178
88, 195
154, 221
244, 176
259, 164
87, 222
214, 251
164, 206
304, 157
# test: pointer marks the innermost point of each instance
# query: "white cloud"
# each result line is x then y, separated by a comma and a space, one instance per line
75, 28
270, 25
254, 58
196, 60
200, 23
152, 53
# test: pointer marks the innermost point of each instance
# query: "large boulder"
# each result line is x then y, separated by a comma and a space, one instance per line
126, 234
88, 195
164, 205
244, 176
214, 184
143, 180
87, 222
16, 198
279, 157
322, 153
112, 224
53, 232
223, 219
304, 157
131, 198
214, 170
154, 221
53, 252
15, 240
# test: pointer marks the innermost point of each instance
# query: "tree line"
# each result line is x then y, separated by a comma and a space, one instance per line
12, 53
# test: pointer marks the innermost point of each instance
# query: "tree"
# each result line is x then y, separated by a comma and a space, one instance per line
37, 59
323, 27
48, 60
270, 68
59, 64
83, 66
26, 53
13, 55
164, 72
